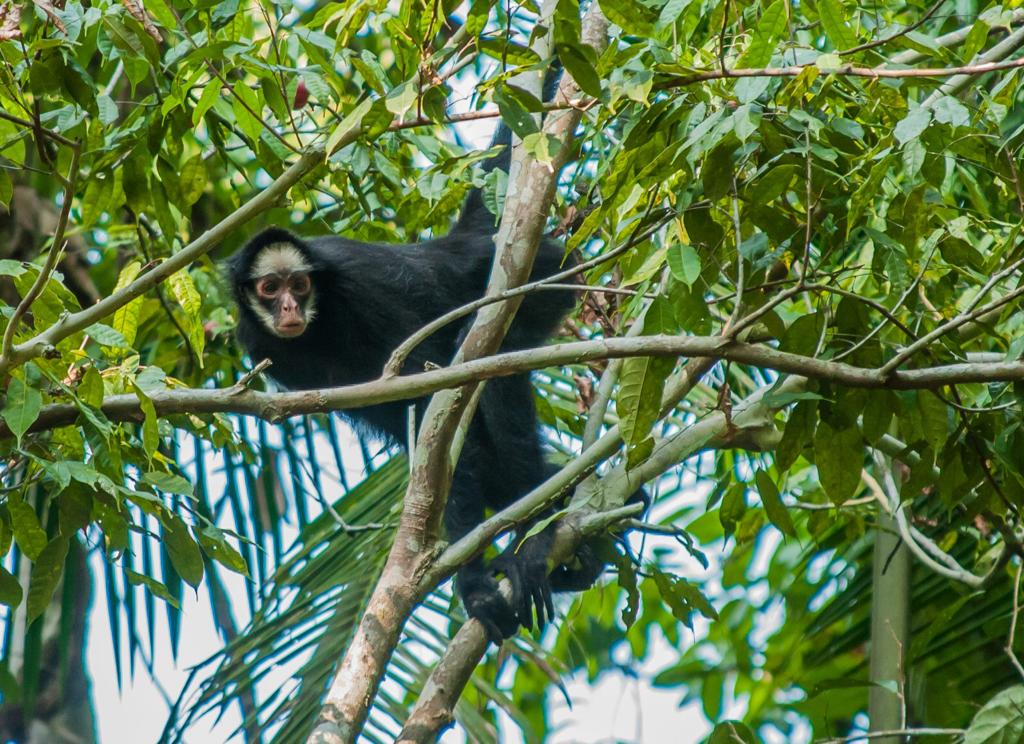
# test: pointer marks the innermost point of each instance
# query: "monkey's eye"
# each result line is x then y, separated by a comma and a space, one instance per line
301, 284
268, 287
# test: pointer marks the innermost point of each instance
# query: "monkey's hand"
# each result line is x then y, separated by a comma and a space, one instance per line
526, 568
482, 598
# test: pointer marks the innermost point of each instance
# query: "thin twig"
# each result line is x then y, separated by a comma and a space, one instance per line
897, 733
56, 248
841, 71
245, 380
968, 314
904, 31
1013, 624
55, 136
401, 353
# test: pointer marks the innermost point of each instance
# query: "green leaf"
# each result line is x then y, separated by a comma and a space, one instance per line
107, 336
211, 94
772, 502
247, 108
934, 419
1000, 721
839, 456
182, 549
949, 110
682, 598
217, 547
97, 197
22, 406
90, 388
878, 412
74, 511
160, 10
766, 35
168, 483
46, 573
10, 267
581, 63
544, 147
833, 20
155, 587
126, 318
912, 125
670, 12
107, 109
642, 381
402, 98
350, 126
150, 422
631, 16
29, 536
193, 180
627, 580
6, 189
185, 292
10, 590
508, 52
514, 113
734, 506
732, 732
684, 263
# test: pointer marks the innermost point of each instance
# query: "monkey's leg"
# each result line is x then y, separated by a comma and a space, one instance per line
475, 582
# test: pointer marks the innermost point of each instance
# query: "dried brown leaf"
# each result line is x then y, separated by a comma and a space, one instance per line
10, 20
136, 11
51, 12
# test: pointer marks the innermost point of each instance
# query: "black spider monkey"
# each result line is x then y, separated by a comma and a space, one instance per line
329, 311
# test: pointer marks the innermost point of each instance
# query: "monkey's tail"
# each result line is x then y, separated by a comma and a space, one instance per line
476, 217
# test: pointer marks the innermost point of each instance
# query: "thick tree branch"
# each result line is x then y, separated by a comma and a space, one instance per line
277, 406
434, 709
531, 191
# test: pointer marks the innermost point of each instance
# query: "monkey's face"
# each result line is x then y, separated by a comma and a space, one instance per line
281, 290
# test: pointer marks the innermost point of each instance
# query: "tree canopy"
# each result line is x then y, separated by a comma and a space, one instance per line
799, 322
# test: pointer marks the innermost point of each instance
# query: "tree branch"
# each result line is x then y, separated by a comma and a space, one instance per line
275, 407
56, 248
681, 81
531, 191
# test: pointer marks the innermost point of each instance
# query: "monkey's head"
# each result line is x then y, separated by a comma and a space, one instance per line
272, 277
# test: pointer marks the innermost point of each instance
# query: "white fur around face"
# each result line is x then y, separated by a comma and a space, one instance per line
279, 258
265, 316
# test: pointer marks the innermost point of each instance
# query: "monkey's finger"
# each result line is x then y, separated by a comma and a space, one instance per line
525, 610
526, 603
539, 604
549, 601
